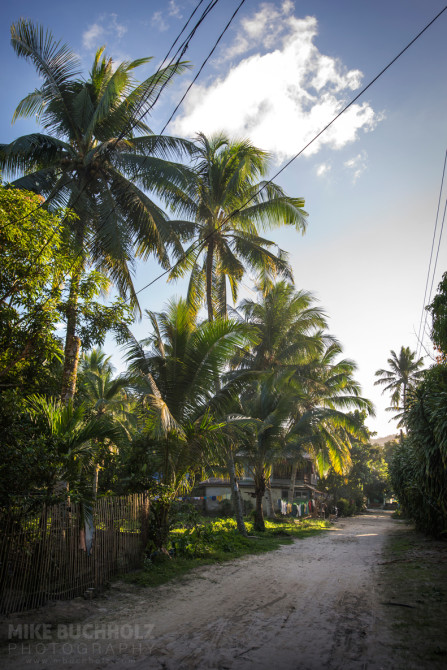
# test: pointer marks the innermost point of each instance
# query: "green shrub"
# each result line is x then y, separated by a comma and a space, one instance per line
345, 508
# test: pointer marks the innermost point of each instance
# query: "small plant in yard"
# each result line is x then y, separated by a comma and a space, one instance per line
345, 507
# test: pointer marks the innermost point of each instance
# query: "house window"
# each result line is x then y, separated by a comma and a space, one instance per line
285, 493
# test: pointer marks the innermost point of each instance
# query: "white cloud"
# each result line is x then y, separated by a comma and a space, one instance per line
174, 10
92, 36
323, 169
282, 93
119, 28
159, 18
158, 21
106, 28
357, 164
264, 27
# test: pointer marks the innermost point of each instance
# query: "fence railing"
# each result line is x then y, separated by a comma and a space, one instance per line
64, 550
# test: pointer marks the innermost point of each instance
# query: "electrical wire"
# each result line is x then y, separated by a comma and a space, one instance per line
126, 130
423, 312
434, 268
164, 127
288, 163
179, 54
203, 65
210, 6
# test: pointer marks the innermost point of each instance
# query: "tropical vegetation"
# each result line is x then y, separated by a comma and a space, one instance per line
216, 387
418, 464
97, 157
227, 208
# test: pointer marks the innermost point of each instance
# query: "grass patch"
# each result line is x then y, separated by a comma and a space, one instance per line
217, 541
414, 576
400, 545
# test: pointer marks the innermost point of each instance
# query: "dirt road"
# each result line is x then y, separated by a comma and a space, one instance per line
310, 605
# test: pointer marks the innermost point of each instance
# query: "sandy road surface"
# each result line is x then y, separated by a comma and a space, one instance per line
310, 605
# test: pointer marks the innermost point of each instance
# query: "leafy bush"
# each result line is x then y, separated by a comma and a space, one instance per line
345, 508
204, 538
184, 515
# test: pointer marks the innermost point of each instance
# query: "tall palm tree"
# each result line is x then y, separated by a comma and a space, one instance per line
266, 409
174, 373
227, 211
289, 331
291, 340
97, 157
404, 373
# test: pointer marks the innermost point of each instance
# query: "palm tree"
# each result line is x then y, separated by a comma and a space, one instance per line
288, 326
74, 435
96, 157
404, 373
266, 410
291, 341
103, 393
324, 423
105, 396
174, 373
227, 210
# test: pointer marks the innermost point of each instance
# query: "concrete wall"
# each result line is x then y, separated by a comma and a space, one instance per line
213, 505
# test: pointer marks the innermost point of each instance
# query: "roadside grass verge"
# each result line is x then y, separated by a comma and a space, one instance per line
216, 541
414, 595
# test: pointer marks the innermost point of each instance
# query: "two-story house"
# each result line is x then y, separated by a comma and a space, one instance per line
213, 490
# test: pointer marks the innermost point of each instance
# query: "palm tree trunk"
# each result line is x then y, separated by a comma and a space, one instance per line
270, 506
259, 523
291, 493
159, 527
236, 496
223, 314
72, 342
209, 278
95, 481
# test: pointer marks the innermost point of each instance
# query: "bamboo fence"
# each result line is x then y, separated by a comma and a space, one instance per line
45, 557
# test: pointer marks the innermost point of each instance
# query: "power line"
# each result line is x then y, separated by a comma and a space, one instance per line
181, 50
210, 6
169, 120
434, 267
423, 312
178, 55
194, 247
203, 65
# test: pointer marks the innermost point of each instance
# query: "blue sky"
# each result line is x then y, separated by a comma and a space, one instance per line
281, 72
